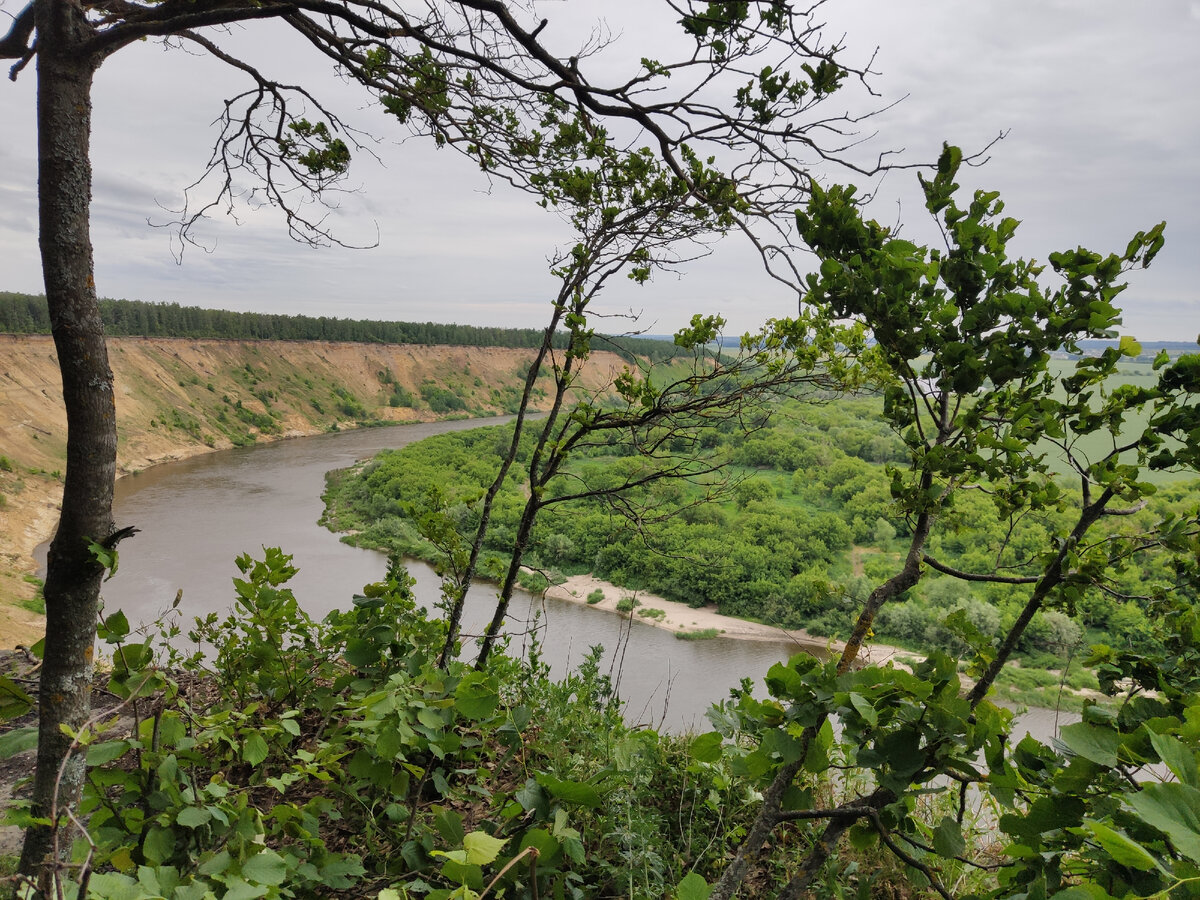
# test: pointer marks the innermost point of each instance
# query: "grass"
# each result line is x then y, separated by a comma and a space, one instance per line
652, 613
704, 634
36, 603
1049, 688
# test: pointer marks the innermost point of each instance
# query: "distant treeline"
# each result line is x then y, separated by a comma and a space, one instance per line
28, 314
1149, 348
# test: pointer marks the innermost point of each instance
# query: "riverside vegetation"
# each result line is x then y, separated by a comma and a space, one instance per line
798, 535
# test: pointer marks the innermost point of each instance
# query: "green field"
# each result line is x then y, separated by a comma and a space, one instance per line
1094, 446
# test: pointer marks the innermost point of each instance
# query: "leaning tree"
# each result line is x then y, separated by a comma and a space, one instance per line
734, 118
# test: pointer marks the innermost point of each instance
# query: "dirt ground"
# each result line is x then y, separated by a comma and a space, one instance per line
679, 617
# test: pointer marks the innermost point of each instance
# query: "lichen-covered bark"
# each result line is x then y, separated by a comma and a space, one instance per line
72, 576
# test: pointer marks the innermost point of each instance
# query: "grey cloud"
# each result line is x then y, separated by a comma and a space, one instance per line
1098, 95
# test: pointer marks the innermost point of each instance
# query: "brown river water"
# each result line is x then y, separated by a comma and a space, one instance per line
198, 514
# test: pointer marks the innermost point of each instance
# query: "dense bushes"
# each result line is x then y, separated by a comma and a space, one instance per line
334, 758
795, 547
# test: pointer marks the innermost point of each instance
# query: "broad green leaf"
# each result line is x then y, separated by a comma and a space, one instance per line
159, 844
116, 625
817, 759
105, 752
947, 838
158, 880
548, 847
692, 887
1092, 742
1177, 757
14, 700
218, 865
254, 749
707, 747
430, 717
113, 886
863, 836
1122, 849
1174, 809
463, 874
388, 742
779, 743
19, 740
266, 867
570, 791
193, 817
482, 848
1044, 815
239, 889
449, 826
864, 708
477, 695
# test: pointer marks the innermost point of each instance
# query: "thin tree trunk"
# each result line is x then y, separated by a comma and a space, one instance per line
520, 545
454, 619
1053, 575
539, 476
73, 575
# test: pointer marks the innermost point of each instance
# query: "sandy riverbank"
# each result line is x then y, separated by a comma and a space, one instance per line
679, 617
31, 519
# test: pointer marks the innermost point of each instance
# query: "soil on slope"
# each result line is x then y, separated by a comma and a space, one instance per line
177, 397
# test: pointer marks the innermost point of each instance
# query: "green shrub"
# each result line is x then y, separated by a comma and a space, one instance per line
596, 596
440, 399
704, 634
627, 604
534, 582
401, 396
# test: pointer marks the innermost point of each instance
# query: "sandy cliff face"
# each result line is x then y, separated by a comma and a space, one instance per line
178, 397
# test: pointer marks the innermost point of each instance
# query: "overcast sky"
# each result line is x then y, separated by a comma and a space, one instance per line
1099, 99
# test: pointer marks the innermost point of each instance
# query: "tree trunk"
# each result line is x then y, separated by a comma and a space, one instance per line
73, 575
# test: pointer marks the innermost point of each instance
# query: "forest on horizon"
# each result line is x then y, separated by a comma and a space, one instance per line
28, 314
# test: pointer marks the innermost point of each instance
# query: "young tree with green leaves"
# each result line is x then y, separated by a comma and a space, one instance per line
633, 216
962, 341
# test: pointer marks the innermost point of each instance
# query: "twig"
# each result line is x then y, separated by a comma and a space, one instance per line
907, 858
56, 852
532, 853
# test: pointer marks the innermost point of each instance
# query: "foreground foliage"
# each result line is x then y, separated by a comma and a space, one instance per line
302, 758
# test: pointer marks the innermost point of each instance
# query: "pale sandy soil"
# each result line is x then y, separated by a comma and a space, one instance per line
160, 379
683, 618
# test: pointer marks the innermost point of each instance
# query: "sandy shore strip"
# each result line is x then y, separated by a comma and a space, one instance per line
679, 617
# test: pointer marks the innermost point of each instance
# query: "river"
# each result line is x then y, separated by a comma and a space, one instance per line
195, 516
